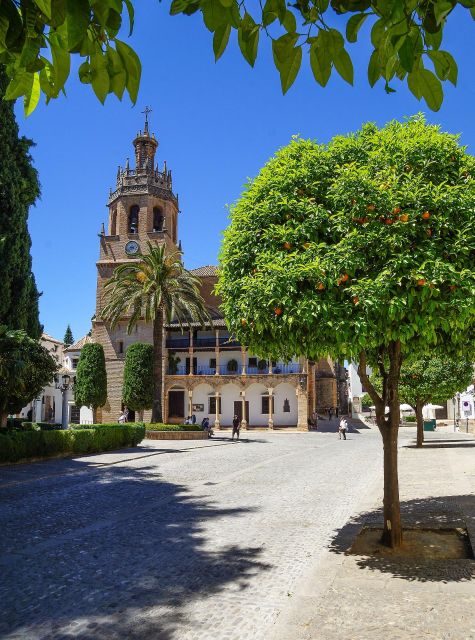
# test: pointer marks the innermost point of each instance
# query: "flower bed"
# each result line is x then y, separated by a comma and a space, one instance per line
24, 445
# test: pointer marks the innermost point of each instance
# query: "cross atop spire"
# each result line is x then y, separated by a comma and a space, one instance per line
146, 111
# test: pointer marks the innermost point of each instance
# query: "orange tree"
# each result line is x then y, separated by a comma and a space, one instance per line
359, 249
431, 379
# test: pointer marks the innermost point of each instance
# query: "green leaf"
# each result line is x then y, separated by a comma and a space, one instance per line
227, 3
220, 40
85, 73
178, 6
31, 99
116, 71
406, 54
424, 84
131, 12
61, 62
441, 9
248, 38
132, 66
19, 85
287, 59
77, 20
99, 76
374, 68
353, 25
444, 65
44, 6
289, 22
320, 62
3, 30
343, 65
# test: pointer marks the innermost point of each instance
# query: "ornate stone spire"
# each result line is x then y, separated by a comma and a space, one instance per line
145, 147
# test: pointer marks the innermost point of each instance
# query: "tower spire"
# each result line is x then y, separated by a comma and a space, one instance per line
146, 111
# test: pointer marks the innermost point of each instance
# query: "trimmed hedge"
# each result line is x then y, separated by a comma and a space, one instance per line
19, 445
409, 419
172, 427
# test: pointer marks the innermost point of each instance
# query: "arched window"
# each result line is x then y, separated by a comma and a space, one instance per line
113, 226
158, 219
134, 219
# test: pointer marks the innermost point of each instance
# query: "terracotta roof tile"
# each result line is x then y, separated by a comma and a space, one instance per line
77, 346
207, 270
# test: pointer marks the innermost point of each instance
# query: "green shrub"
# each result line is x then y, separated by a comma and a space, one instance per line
19, 445
106, 424
48, 426
409, 418
173, 427
14, 423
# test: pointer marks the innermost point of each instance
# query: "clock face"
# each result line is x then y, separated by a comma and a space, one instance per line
132, 247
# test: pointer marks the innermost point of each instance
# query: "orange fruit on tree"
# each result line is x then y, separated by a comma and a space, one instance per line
278, 311
344, 277
426, 215
388, 221
355, 299
421, 282
396, 210
371, 207
364, 220
452, 287
320, 286
404, 217
287, 245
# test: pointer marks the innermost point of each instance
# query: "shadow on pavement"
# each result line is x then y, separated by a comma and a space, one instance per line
99, 552
447, 444
433, 512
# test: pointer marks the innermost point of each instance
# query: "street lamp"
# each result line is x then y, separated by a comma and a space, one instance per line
63, 383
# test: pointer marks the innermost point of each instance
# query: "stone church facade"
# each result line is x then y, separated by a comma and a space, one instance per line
206, 371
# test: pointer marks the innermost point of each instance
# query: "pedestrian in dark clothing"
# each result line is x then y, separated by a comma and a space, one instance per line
236, 427
336, 412
193, 419
330, 413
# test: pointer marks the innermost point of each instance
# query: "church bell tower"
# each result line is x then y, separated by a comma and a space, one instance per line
142, 209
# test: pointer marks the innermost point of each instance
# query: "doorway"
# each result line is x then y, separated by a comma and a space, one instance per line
176, 403
238, 410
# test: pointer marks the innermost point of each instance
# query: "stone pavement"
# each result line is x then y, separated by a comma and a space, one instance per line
231, 541
344, 597
176, 540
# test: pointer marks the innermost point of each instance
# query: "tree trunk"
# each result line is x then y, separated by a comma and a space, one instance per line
420, 424
140, 415
157, 409
3, 420
389, 428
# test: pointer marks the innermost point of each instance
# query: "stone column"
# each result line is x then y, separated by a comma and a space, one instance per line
190, 352
216, 353
243, 400
217, 424
302, 409
271, 407
243, 361
190, 402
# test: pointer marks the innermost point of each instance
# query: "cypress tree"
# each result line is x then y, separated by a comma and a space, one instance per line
137, 392
19, 188
90, 389
68, 337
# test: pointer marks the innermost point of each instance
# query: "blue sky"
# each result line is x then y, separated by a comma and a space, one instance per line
217, 124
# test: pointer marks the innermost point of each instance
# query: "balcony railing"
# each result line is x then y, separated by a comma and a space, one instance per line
205, 342
178, 343
293, 367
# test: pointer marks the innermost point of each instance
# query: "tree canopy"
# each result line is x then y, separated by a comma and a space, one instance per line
39, 37
344, 247
137, 390
90, 389
25, 368
19, 188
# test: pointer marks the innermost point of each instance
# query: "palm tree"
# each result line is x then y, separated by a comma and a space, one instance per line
156, 288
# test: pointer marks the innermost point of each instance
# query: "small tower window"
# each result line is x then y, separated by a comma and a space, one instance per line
286, 406
113, 226
158, 219
134, 219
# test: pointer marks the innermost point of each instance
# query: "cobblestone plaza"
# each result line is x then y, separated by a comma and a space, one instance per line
230, 541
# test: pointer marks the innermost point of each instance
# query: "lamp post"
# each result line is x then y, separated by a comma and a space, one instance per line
63, 383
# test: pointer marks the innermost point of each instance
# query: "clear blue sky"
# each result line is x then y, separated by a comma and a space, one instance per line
217, 124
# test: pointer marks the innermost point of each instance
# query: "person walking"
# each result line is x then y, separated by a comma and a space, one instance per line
330, 412
236, 426
343, 428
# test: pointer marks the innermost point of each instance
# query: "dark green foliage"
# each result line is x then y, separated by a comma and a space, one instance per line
68, 337
366, 400
137, 391
19, 445
19, 188
25, 368
173, 427
90, 389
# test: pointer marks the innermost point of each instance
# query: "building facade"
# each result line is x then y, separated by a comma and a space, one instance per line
206, 372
